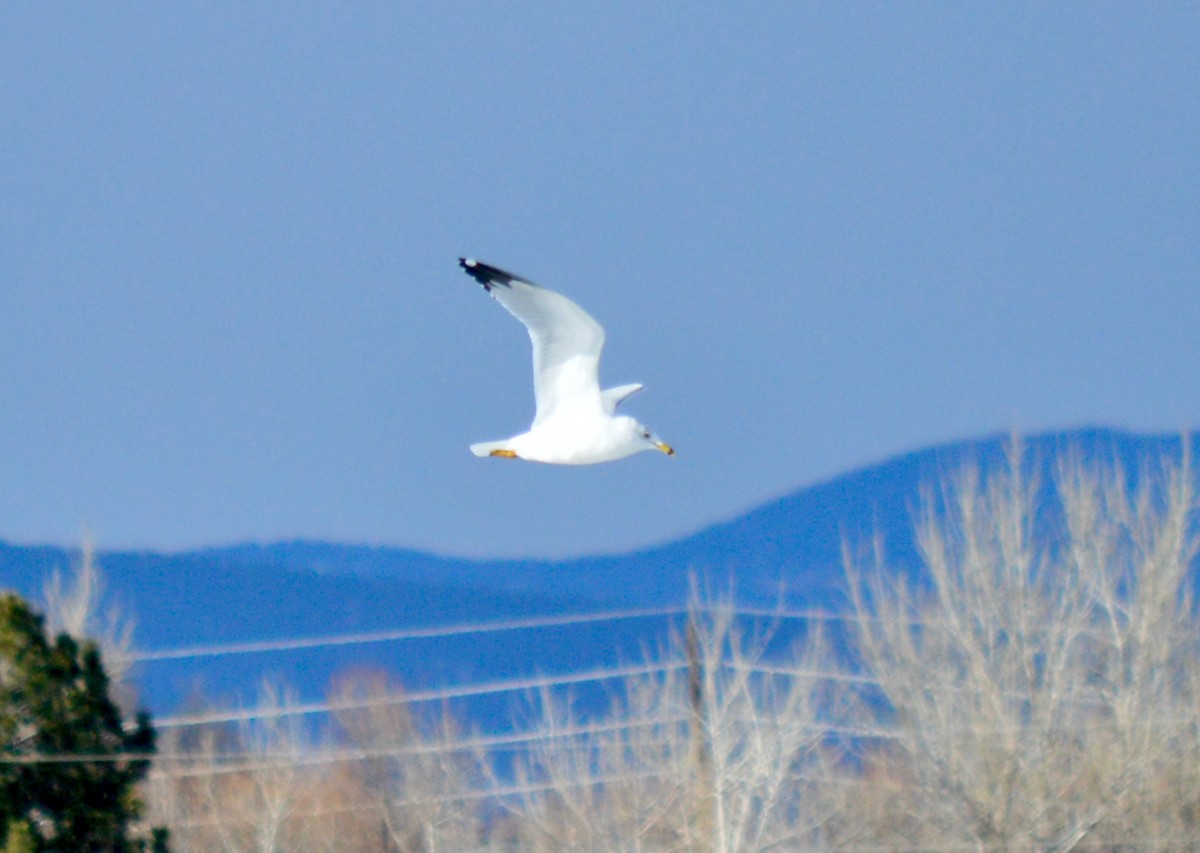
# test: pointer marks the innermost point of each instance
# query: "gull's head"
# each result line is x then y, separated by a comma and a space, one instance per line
643, 434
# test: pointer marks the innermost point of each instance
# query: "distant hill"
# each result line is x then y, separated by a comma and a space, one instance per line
790, 546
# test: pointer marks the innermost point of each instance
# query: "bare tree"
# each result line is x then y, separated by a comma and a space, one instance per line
244, 789
409, 769
612, 783
77, 604
717, 755
277, 742
1032, 686
376, 780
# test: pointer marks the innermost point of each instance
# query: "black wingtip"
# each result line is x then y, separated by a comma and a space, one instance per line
486, 274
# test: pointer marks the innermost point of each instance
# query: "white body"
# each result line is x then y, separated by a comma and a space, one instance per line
575, 422
573, 439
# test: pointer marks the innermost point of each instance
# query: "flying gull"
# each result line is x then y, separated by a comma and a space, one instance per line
576, 423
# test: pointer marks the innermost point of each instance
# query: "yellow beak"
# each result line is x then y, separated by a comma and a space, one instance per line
665, 448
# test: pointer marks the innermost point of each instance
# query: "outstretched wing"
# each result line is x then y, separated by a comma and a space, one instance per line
566, 340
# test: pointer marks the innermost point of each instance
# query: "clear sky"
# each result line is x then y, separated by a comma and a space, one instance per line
821, 234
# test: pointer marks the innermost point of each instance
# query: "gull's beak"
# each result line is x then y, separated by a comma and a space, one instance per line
665, 448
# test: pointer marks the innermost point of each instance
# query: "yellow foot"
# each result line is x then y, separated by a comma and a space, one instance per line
505, 454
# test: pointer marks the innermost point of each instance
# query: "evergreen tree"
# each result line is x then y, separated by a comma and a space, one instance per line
54, 702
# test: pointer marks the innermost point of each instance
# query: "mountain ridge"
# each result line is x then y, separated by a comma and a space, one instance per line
800, 533
787, 550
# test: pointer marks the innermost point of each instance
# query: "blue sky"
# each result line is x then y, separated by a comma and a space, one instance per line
821, 234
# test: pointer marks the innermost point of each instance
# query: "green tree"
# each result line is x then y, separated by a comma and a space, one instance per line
55, 708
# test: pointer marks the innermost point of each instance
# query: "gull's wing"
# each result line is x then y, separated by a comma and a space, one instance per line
612, 397
566, 340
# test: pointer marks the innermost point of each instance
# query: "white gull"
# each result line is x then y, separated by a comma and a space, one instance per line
575, 423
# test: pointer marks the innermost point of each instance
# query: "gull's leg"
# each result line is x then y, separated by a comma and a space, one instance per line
504, 454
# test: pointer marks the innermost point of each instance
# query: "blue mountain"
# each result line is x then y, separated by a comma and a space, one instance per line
787, 549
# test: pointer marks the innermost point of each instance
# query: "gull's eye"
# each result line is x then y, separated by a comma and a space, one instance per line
645, 433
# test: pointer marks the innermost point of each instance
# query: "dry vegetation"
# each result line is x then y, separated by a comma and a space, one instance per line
1038, 697
1030, 692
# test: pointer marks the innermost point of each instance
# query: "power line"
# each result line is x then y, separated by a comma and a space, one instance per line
436, 695
222, 765
253, 647
486, 688
255, 761
504, 792
501, 686
222, 762
400, 635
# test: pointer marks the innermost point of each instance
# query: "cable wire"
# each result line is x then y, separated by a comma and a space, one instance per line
281, 645
435, 695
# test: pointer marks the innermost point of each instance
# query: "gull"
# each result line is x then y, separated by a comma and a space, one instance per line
575, 423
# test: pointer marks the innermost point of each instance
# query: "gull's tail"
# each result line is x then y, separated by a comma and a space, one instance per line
485, 448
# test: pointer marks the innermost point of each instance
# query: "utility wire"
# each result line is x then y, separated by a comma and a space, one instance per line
436, 695
221, 765
281, 645
223, 762
400, 635
504, 792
